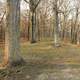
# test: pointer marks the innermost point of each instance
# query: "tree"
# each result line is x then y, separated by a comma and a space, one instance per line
61, 7
33, 5
44, 19
75, 27
65, 11
56, 23
12, 39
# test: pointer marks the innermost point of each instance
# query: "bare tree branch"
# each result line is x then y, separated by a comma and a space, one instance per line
37, 4
2, 16
27, 1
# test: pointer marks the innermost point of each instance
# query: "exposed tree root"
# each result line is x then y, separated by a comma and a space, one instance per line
15, 63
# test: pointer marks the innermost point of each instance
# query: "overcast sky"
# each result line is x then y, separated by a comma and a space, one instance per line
24, 5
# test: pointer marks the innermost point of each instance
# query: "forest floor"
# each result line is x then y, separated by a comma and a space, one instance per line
46, 62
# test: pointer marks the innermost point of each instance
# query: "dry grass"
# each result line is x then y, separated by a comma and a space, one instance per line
45, 62
45, 51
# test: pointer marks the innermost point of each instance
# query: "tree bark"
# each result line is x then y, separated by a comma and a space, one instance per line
56, 27
33, 40
12, 33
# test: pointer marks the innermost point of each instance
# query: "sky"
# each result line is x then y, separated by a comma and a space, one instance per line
2, 0
24, 5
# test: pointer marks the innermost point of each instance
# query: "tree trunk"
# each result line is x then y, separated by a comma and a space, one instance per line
29, 17
74, 32
13, 33
56, 27
33, 27
38, 26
